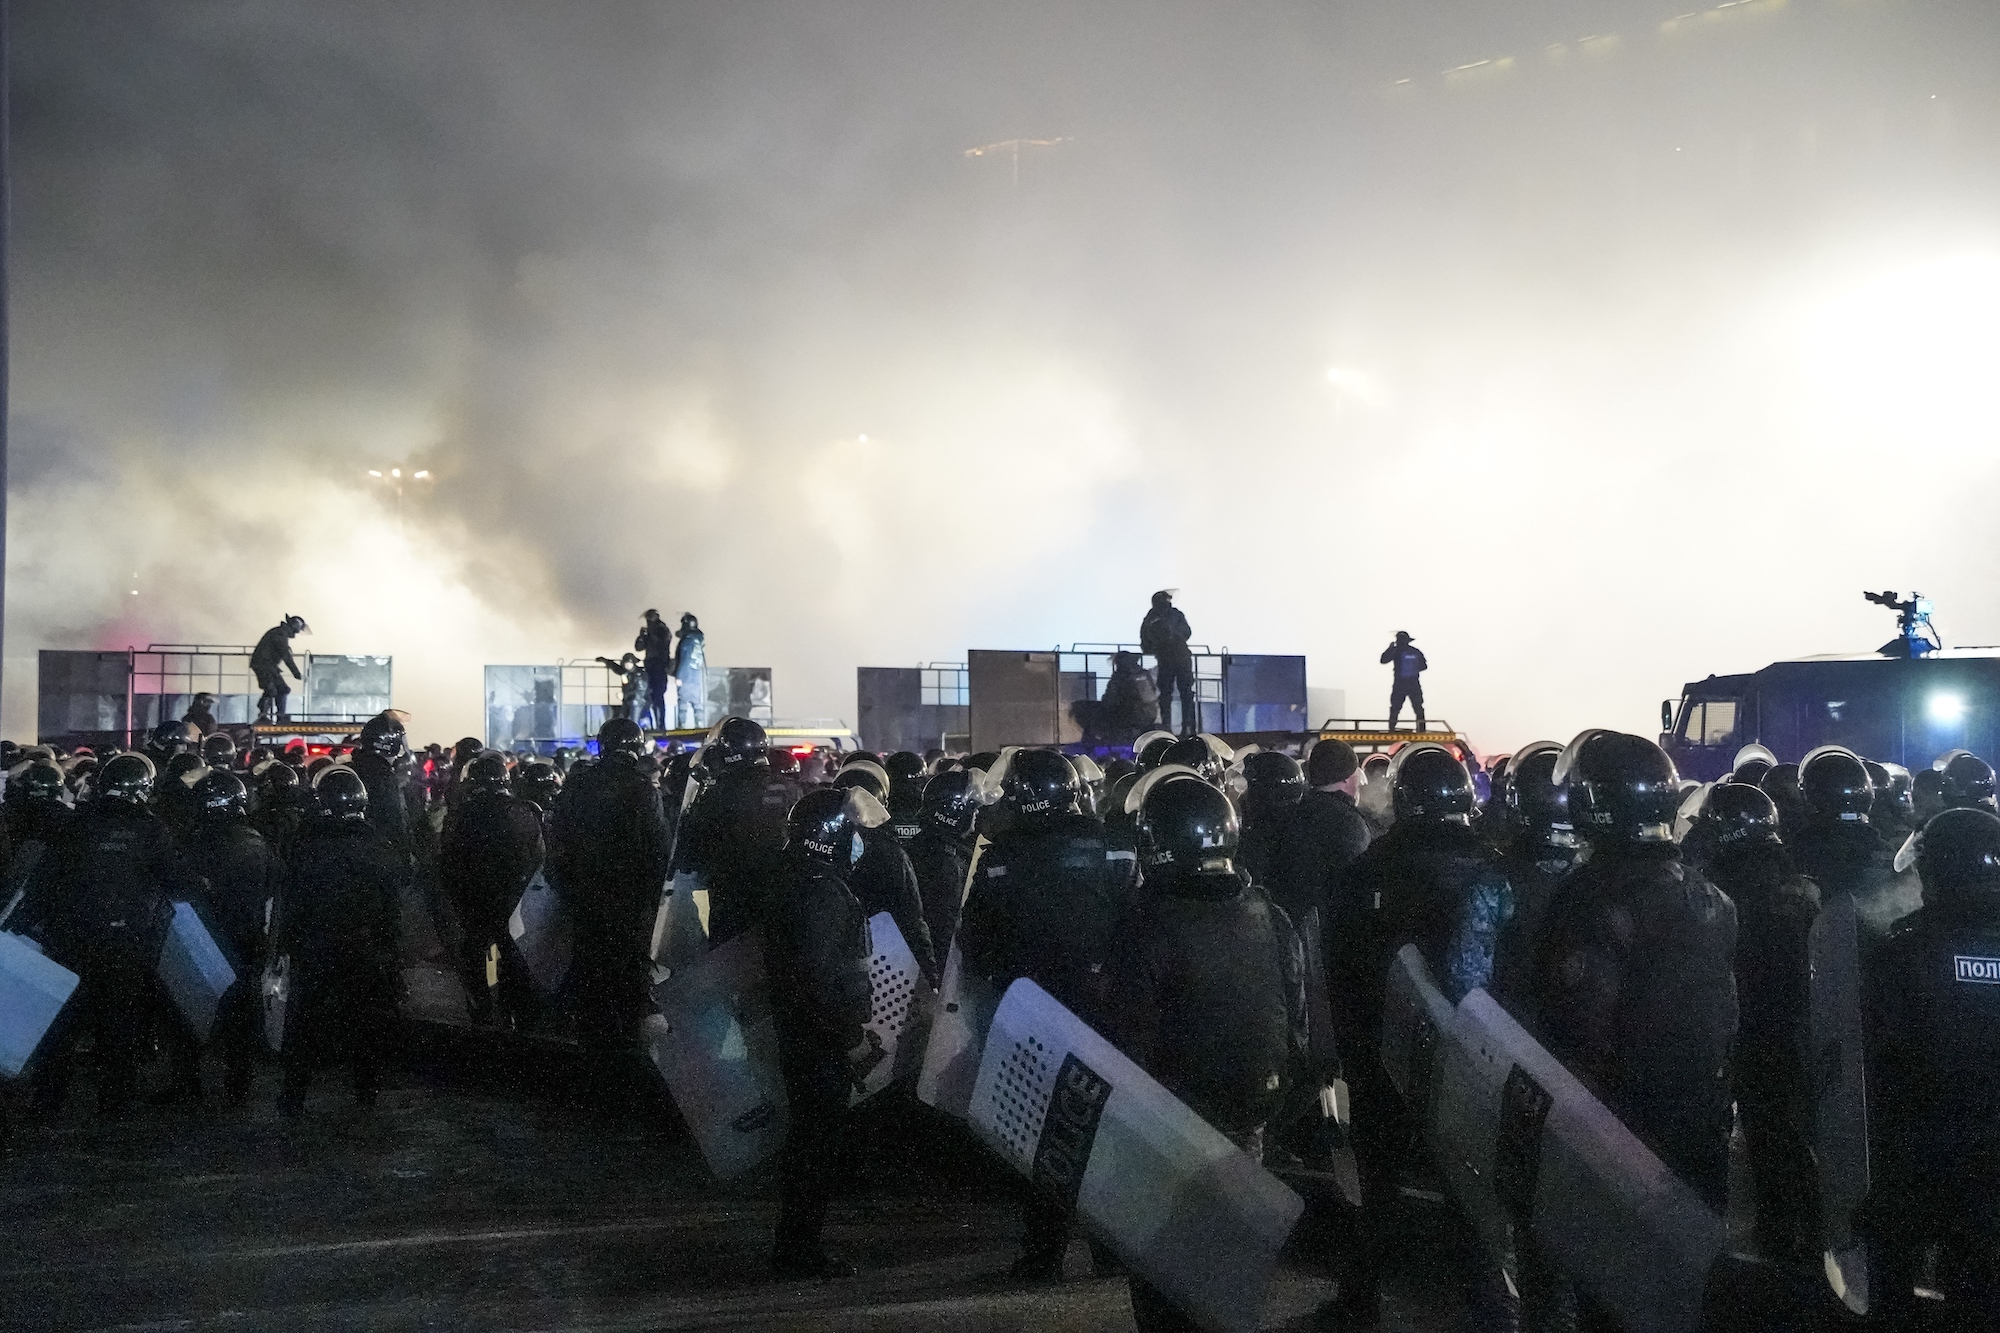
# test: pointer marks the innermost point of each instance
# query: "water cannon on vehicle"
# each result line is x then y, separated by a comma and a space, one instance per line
1914, 635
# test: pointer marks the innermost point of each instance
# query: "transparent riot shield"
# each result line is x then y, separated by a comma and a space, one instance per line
1840, 1103
193, 969
715, 1045
33, 990
959, 1020
540, 929
1183, 1207
899, 1008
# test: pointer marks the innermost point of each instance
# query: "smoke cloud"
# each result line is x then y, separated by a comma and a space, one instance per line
1599, 349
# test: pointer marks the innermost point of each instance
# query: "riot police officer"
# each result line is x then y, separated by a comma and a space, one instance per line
492, 845
907, 774
1634, 986
244, 877
1321, 838
883, 879
941, 853
1541, 850
816, 940
1933, 1010
336, 921
733, 833
539, 783
279, 806
1043, 905
1775, 910
1835, 845
1430, 880
1207, 982
1966, 782
1273, 785
269, 660
608, 847
116, 874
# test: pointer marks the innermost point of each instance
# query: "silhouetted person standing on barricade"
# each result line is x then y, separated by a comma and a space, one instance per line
656, 641
1408, 660
269, 660
1164, 633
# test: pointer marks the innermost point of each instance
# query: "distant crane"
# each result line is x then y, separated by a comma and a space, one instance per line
1013, 149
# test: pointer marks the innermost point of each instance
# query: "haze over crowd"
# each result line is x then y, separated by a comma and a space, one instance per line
1598, 348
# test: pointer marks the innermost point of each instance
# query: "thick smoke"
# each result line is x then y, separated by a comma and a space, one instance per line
1600, 366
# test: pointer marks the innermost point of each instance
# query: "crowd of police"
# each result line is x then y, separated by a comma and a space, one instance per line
1227, 920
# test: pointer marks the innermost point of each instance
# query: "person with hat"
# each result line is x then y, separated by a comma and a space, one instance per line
1410, 664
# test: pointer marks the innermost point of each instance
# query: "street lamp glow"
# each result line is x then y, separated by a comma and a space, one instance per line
373, 473
395, 472
1945, 709
421, 476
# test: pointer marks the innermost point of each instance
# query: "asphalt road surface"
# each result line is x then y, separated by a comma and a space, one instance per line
472, 1197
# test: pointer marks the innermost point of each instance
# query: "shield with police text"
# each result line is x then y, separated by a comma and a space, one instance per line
1183, 1207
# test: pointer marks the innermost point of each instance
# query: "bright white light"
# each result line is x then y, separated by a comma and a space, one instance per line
1945, 709
1357, 384
373, 473
395, 472
421, 476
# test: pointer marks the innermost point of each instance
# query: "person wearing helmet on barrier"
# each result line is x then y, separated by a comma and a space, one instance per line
491, 847
1043, 904
816, 941
1775, 910
337, 922
1541, 849
941, 853
1131, 701
116, 874
655, 645
244, 877
1835, 845
907, 774
1206, 982
269, 660
200, 714
690, 660
1164, 634
1408, 665
1966, 782
1429, 881
609, 849
733, 833
1932, 1000
883, 879
632, 681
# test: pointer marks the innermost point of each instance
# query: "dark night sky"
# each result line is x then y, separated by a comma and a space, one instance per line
1600, 366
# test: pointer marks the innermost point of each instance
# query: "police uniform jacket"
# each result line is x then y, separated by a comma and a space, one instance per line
1843, 856
1208, 995
733, 836
492, 845
338, 917
610, 845
1311, 847
1634, 990
242, 873
817, 947
1044, 905
117, 873
941, 863
885, 881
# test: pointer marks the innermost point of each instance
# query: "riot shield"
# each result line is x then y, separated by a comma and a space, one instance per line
715, 1045
540, 929
1182, 1207
275, 988
680, 930
433, 994
1319, 1004
899, 1006
959, 1020
33, 990
192, 968
1834, 1058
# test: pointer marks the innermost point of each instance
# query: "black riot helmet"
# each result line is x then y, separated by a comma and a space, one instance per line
184, 768
1533, 796
1204, 754
1622, 788
1781, 784
983, 761
37, 783
1154, 753
221, 796
825, 826
1429, 782
907, 775
1967, 782
340, 794
619, 735
487, 773
864, 775
1736, 812
782, 761
1958, 858
951, 805
218, 750
384, 737
276, 775
1184, 827
125, 779
736, 742
538, 781
170, 738
1751, 771
1835, 785
1039, 783
1273, 781
1892, 791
